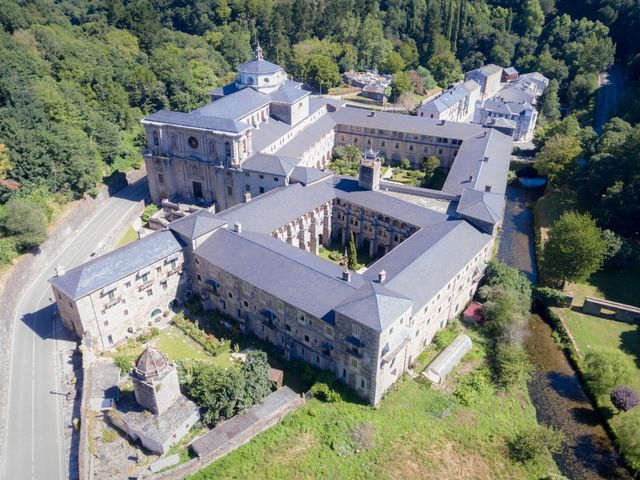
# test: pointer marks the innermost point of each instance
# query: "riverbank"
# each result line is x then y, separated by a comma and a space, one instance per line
580, 333
556, 390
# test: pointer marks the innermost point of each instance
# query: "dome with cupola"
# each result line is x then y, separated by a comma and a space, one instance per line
260, 74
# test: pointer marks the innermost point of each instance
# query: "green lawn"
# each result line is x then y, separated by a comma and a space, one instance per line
335, 249
615, 285
403, 438
129, 236
407, 177
590, 332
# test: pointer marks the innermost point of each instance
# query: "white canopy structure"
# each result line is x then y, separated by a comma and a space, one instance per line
448, 359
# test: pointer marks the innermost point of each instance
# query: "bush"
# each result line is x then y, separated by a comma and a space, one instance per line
629, 440
8, 250
194, 305
623, 398
149, 211
25, 221
472, 386
124, 363
605, 368
209, 342
535, 442
550, 297
323, 392
512, 365
445, 336
147, 336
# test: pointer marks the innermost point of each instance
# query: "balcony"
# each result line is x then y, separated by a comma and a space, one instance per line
112, 303
145, 285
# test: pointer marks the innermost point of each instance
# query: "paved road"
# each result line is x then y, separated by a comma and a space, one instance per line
34, 443
609, 94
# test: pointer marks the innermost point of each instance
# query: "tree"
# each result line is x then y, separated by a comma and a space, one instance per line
550, 104
537, 441
580, 90
394, 63
574, 248
623, 398
321, 71
557, 158
513, 366
605, 368
25, 221
352, 253
400, 84
405, 164
255, 370
533, 18
445, 68
430, 165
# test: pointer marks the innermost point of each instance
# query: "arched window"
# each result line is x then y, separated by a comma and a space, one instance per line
227, 149
155, 138
212, 148
174, 141
156, 312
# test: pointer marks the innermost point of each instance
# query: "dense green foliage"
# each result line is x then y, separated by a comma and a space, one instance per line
535, 442
352, 253
573, 250
507, 297
605, 369
77, 76
223, 392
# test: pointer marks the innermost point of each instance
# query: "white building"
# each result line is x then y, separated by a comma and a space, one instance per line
456, 104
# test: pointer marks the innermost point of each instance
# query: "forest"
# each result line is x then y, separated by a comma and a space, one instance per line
76, 76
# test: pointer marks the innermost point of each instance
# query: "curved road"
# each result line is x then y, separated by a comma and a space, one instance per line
34, 443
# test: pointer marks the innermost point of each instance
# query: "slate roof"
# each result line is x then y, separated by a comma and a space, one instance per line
197, 224
360, 117
258, 66
374, 305
496, 147
289, 92
228, 89
484, 206
235, 106
151, 363
307, 137
266, 134
296, 277
488, 70
308, 175
195, 120
270, 164
111, 267
449, 98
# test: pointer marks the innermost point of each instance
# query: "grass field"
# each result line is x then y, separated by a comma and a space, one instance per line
403, 438
129, 236
590, 332
335, 249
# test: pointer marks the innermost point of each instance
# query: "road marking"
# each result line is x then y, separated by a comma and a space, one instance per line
112, 202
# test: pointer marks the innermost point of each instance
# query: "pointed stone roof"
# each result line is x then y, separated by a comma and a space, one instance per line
151, 363
374, 305
270, 164
196, 224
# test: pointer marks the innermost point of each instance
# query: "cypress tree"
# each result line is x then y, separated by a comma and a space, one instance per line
353, 253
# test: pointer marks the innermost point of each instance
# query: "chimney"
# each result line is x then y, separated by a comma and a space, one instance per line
247, 197
484, 134
346, 275
237, 227
471, 178
485, 159
443, 122
382, 275
60, 270
487, 188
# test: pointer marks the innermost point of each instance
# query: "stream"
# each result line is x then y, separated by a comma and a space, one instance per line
555, 389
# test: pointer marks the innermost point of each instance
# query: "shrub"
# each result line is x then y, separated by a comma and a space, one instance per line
512, 365
209, 342
323, 392
550, 297
194, 305
124, 363
605, 368
8, 250
472, 386
445, 336
535, 442
25, 221
629, 440
149, 211
623, 398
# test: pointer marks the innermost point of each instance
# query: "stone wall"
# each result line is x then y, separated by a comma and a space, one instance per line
265, 422
621, 311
